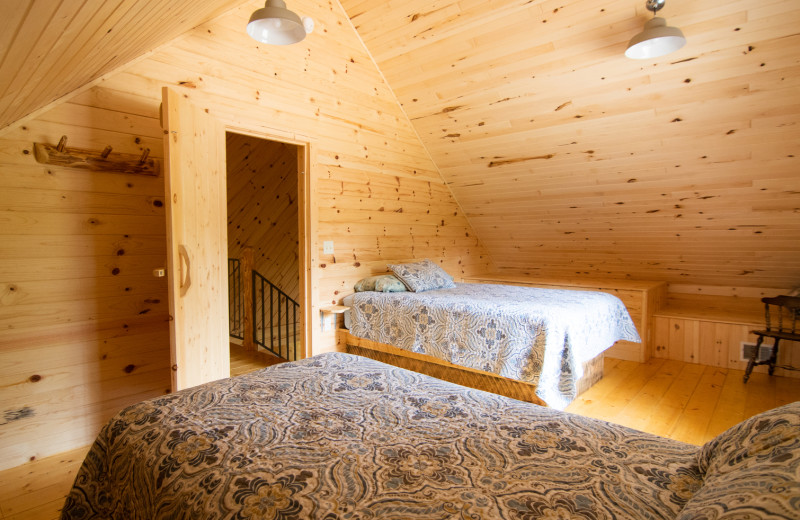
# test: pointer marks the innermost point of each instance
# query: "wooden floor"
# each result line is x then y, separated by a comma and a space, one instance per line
244, 361
684, 401
36, 490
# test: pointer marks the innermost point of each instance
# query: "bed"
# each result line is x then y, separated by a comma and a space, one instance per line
339, 437
544, 337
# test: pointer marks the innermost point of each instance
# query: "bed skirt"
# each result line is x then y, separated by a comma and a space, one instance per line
440, 369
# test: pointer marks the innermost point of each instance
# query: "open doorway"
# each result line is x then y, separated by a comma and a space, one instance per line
263, 220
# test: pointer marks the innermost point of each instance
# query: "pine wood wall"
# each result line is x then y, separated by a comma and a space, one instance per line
570, 159
83, 321
262, 207
83, 328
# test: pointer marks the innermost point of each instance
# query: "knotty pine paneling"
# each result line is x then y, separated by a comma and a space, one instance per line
263, 207
550, 139
375, 192
61, 46
716, 344
378, 196
570, 159
83, 322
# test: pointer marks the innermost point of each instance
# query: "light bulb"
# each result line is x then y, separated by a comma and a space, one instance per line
308, 24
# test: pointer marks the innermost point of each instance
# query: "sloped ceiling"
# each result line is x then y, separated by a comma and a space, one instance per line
568, 158
49, 48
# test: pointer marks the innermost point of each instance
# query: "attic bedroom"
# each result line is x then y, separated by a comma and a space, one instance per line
508, 142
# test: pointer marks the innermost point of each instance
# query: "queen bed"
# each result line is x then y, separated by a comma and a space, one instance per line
543, 337
340, 437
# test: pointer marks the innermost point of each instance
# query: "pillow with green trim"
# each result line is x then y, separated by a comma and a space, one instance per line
380, 283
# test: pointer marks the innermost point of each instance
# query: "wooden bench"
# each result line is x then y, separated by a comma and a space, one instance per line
641, 297
711, 330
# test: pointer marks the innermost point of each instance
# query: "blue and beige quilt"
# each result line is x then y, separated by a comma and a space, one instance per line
540, 336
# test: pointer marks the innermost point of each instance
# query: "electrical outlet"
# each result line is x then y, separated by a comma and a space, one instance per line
327, 247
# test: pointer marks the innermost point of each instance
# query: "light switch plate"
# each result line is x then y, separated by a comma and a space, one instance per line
327, 247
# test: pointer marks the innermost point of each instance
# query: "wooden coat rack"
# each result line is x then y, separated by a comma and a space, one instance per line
60, 155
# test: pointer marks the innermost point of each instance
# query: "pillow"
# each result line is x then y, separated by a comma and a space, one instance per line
381, 283
422, 276
389, 283
756, 439
751, 470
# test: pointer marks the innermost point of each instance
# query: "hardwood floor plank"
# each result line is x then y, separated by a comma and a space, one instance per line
760, 394
50, 510
786, 390
640, 410
590, 403
37, 489
671, 406
614, 404
609, 398
683, 401
244, 361
730, 405
693, 423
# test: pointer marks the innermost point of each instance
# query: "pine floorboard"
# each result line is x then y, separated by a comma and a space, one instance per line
36, 490
683, 401
245, 361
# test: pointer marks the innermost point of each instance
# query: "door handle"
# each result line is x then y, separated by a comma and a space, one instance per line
184, 266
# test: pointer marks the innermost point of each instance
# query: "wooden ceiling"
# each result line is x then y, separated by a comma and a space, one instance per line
567, 157
50, 48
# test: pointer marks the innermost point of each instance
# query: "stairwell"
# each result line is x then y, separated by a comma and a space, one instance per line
262, 317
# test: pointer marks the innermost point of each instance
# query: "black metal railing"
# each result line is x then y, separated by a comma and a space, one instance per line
235, 299
274, 319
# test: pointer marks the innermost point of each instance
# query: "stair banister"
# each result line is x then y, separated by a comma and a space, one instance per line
247, 290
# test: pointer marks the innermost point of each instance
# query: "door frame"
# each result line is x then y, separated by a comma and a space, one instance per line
307, 219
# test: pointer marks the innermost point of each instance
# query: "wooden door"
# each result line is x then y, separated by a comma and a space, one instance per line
197, 242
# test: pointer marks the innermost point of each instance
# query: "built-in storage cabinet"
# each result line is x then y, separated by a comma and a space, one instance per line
710, 330
709, 343
640, 297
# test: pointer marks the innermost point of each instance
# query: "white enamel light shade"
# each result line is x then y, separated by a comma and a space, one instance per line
277, 25
657, 39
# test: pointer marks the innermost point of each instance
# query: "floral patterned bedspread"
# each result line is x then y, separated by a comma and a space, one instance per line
541, 336
340, 437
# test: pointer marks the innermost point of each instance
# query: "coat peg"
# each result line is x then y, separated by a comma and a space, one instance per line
96, 160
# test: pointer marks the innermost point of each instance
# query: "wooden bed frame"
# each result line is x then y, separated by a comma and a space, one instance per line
440, 369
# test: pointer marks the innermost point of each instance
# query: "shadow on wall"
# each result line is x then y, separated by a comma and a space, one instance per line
83, 321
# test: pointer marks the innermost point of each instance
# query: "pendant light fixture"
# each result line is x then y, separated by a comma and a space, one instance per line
657, 38
277, 25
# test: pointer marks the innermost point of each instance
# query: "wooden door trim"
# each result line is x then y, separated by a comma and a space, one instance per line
307, 222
